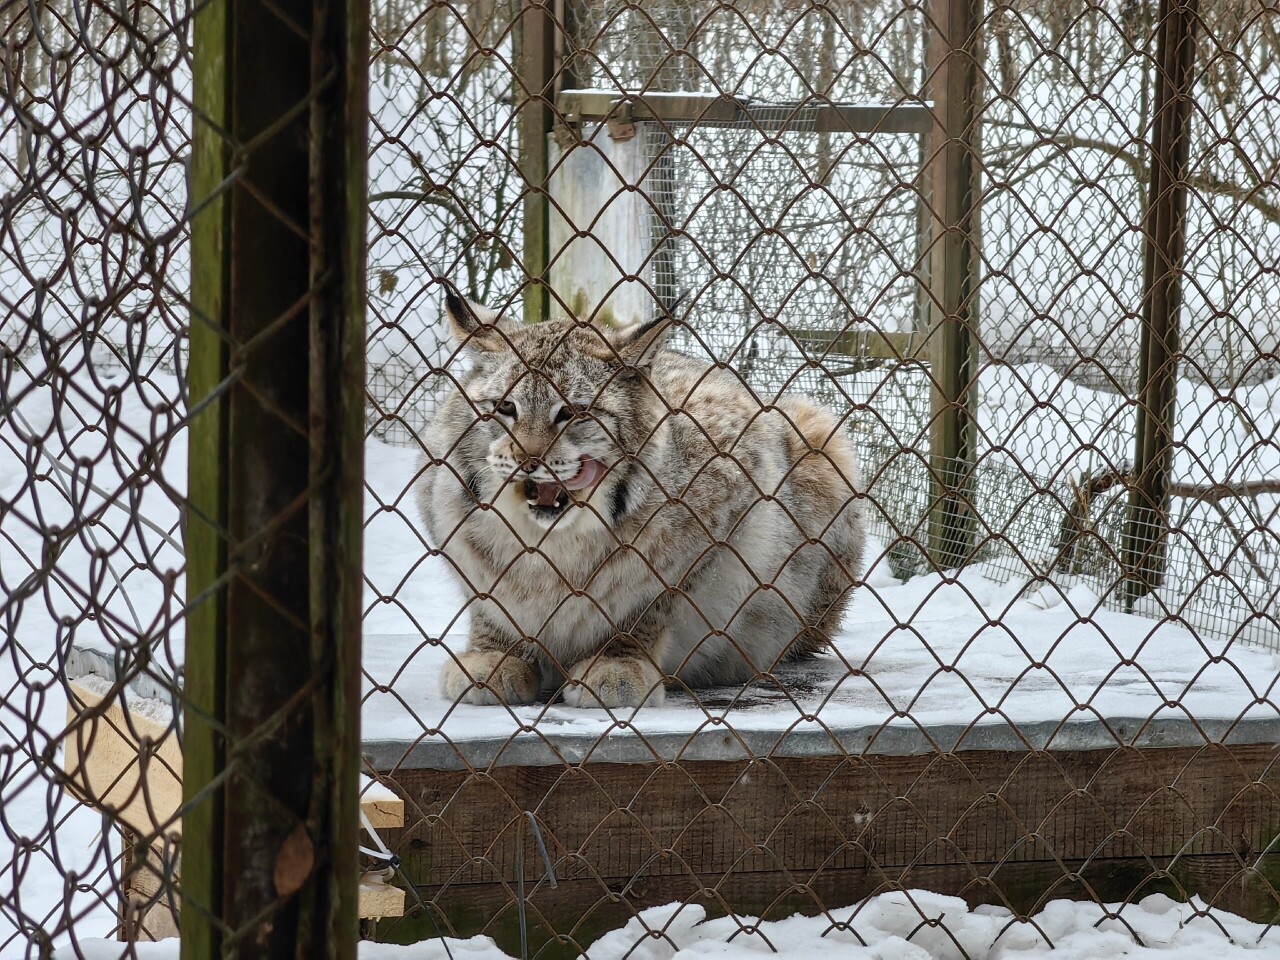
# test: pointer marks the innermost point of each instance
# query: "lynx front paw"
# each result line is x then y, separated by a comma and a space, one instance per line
614, 682
487, 676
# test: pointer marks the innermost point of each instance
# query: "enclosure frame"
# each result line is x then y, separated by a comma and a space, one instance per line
277, 394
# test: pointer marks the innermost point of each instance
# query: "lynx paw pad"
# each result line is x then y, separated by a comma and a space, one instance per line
489, 677
614, 682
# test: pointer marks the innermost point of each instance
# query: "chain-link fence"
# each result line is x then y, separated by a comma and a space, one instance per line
93, 280
177, 329
972, 333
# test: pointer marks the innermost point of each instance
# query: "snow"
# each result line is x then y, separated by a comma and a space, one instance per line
967, 652
906, 925
974, 651
933, 652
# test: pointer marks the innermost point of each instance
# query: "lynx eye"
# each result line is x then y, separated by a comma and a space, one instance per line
564, 415
505, 408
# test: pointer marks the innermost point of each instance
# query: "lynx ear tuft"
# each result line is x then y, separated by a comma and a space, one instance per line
472, 324
638, 344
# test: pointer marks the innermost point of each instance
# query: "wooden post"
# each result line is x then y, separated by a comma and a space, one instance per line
1164, 243
535, 93
275, 514
953, 84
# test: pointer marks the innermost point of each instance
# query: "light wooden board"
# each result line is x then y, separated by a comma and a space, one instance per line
124, 758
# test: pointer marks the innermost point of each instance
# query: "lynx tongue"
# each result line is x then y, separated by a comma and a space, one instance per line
547, 494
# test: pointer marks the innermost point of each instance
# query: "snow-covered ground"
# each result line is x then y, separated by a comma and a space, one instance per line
957, 652
908, 925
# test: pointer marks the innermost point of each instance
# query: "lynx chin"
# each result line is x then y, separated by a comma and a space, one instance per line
622, 516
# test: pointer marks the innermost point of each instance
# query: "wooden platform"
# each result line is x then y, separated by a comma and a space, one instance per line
767, 837
809, 795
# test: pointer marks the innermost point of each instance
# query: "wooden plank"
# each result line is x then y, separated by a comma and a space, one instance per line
380, 900
126, 763
942, 821
611, 819
381, 806
876, 345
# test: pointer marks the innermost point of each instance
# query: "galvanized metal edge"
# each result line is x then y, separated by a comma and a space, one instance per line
718, 742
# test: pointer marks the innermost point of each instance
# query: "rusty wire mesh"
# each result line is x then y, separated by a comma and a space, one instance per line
93, 278
98, 193
808, 259
912, 755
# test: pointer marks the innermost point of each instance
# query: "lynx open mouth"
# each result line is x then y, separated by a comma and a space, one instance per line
547, 500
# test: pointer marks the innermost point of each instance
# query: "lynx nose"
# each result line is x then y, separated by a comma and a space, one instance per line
530, 465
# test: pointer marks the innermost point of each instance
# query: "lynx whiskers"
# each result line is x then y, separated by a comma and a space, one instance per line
621, 515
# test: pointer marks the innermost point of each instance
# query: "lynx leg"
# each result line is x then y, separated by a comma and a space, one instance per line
488, 677
614, 682
625, 673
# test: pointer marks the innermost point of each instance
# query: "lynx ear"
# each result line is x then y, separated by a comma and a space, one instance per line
472, 324
638, 344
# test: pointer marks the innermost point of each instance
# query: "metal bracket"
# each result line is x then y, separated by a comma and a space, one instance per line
622, 125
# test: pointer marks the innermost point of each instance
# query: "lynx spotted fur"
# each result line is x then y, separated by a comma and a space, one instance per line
621, 515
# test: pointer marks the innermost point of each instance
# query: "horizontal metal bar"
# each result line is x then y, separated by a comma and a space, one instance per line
579, 106
811, 740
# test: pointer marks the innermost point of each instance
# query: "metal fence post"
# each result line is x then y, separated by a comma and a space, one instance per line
1164, 240
535, 93
953, 84
274, 519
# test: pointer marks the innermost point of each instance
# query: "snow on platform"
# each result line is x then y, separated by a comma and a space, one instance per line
931, 665
921, 667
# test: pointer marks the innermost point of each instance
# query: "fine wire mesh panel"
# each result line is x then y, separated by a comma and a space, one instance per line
1067, 147
445, 192
576, 780
94, 138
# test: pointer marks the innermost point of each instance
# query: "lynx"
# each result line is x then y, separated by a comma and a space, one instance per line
622, 516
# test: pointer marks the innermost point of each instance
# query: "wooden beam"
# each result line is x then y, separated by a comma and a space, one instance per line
760, 831
205, 514
534, 92
707, 109
274, 583
124, 762
879, 345
122, 757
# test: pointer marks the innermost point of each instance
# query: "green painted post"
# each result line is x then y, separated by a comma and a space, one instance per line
953, 84
203, 747
271, 750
